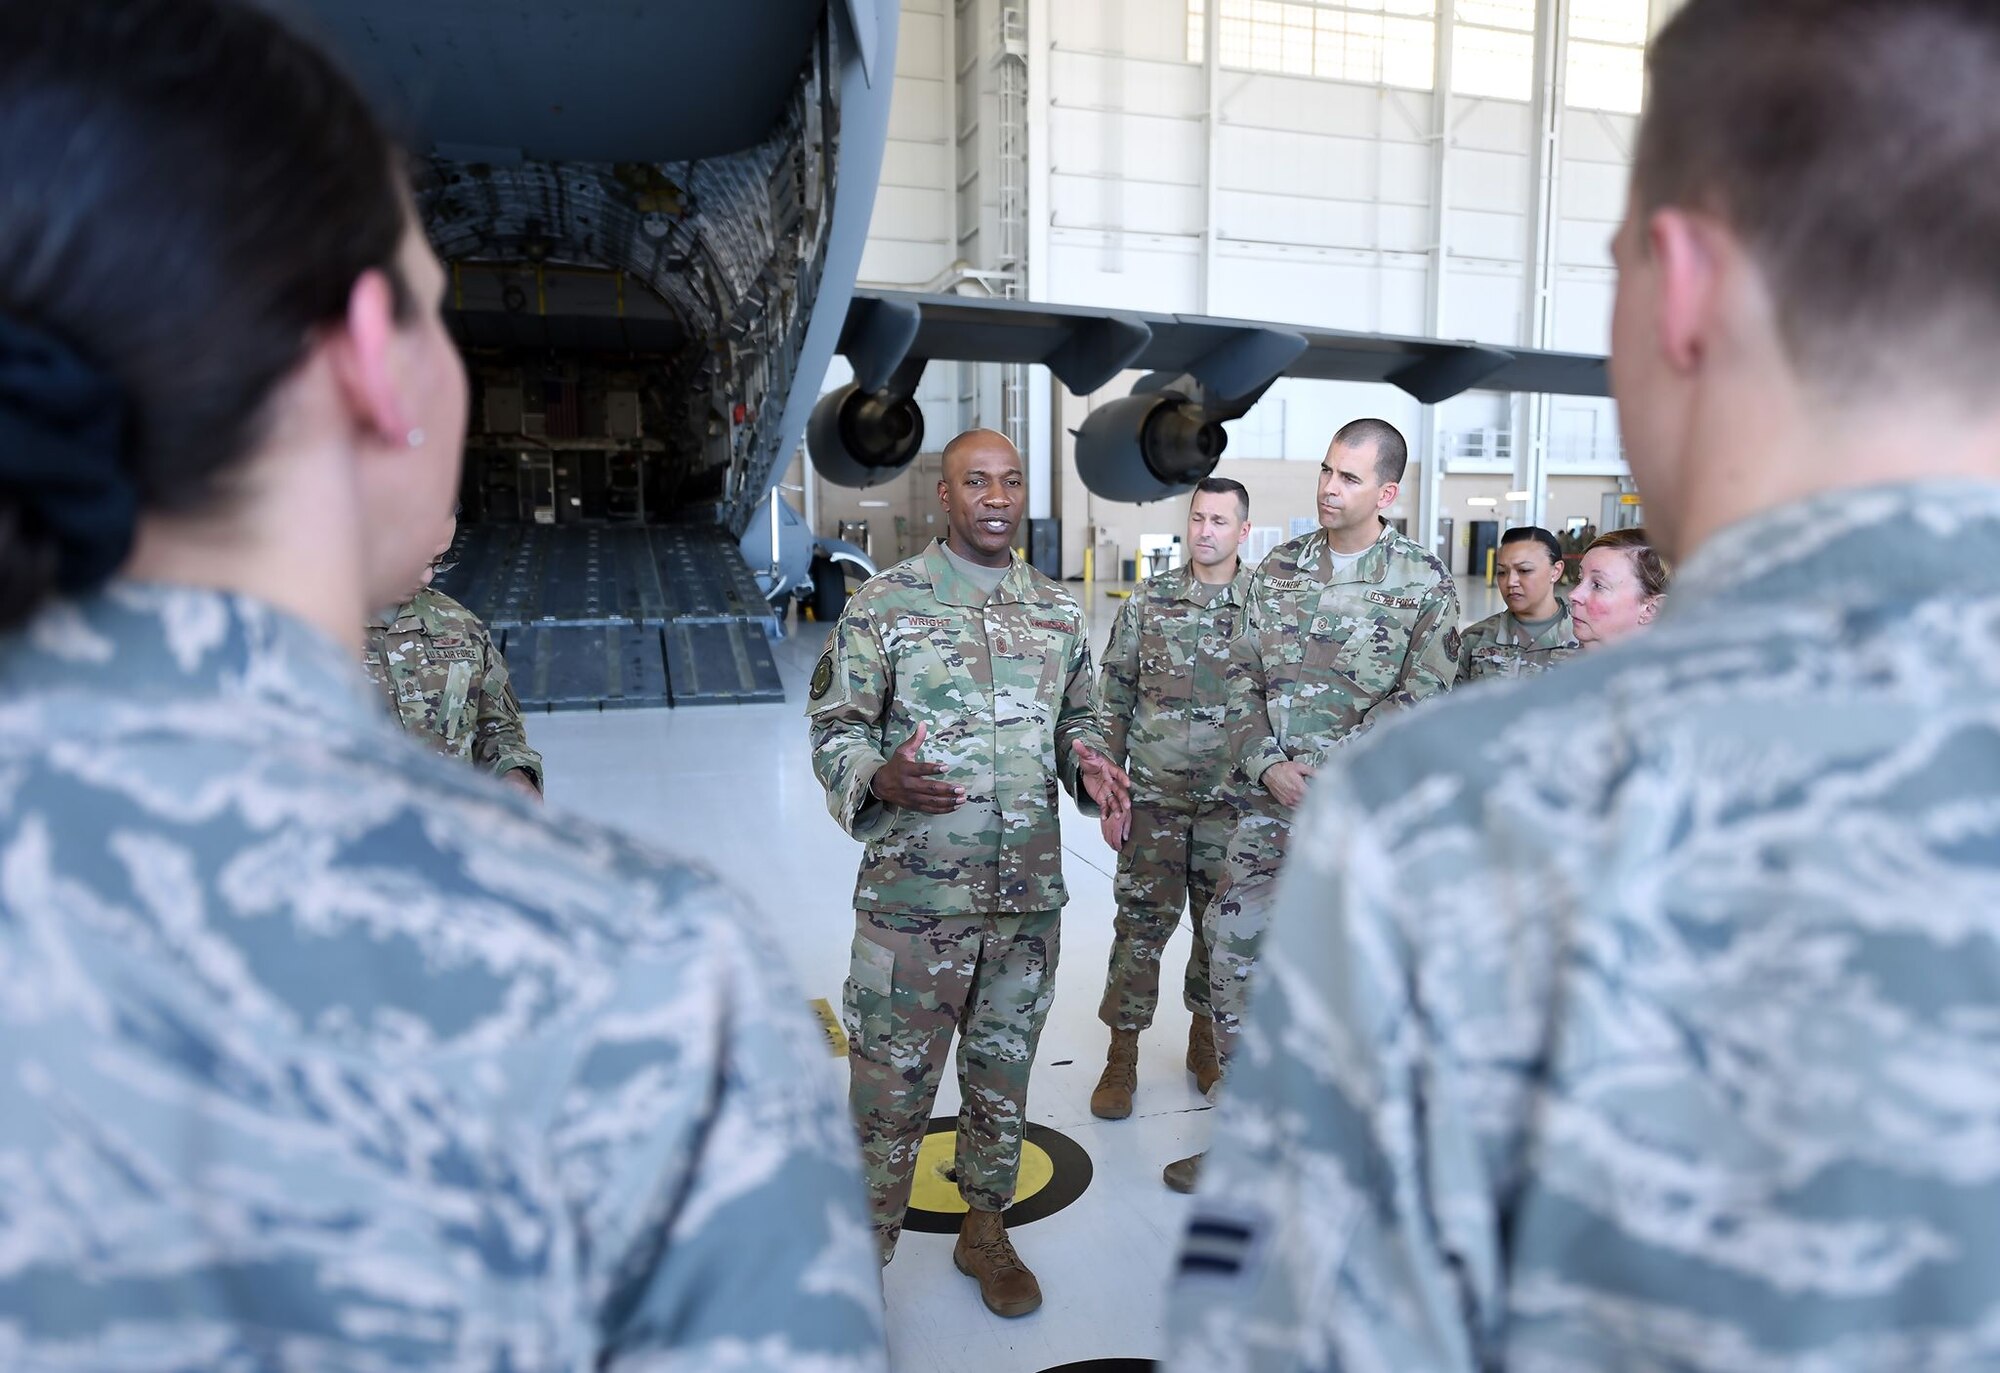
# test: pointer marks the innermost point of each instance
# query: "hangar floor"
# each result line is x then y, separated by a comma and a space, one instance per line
732, 785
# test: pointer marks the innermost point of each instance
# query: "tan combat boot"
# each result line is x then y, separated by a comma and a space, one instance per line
985, 1253
1113, 1098
1201, 1059
1182, 1173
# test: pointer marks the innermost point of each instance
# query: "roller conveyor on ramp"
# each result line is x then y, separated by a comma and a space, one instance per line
594, 617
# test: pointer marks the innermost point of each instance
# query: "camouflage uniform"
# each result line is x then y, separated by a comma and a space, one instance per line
319, 1052
1162, 698
1648, 1016
438, 669
956, 914
1323, 655
1501, 646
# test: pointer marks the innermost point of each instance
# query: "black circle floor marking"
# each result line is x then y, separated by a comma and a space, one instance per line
1069, 1176
1105, 1366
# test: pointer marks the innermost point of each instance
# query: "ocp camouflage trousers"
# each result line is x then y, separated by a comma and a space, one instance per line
1170, 865
914, 980
1240, 913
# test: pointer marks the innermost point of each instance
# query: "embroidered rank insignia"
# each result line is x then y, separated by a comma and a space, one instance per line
822, 681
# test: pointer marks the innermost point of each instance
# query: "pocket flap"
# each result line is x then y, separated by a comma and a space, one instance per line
874, 967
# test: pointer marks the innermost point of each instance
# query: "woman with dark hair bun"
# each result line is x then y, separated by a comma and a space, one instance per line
316, 1050
1534, 632
1622, 587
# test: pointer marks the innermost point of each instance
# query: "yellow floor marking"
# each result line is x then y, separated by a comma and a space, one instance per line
933, 1191
829, 1024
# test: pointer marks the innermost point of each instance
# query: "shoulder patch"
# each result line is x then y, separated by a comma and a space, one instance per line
822, 680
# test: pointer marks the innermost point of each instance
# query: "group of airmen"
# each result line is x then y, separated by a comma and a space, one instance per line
956, 694
1636, 1013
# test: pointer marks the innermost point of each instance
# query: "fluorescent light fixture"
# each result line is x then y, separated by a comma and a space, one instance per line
874, 505
1481, 502
1517, 495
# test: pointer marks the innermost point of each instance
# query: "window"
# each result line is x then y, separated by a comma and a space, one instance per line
1376, 42
1607, 55
1493, 49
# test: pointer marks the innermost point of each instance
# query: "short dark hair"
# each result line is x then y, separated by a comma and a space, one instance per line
1850, 144
1223, 486
1654, 574
236, 186
1527, 532
1392, 453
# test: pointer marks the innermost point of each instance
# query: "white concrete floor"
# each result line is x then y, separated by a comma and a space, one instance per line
731, 787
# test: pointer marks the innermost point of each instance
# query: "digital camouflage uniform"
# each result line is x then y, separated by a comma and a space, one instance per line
1323, 655
1647, 1016
1162, 698
1501, 646
442, 676
956, 914
317, 1051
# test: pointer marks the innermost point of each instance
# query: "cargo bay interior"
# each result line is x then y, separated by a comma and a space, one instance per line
1442, 169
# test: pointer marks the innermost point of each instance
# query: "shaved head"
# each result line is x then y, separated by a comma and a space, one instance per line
983, 491
976, 441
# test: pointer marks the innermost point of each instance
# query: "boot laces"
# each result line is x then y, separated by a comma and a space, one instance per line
999, 1251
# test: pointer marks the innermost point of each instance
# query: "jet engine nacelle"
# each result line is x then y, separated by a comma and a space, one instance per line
1147, 447
861, 439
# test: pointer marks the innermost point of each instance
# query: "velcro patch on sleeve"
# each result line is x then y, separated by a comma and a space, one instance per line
1223, 1242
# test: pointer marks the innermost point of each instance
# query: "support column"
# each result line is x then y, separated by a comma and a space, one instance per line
1044, 475
1211, 67
1430, 446
1531, 438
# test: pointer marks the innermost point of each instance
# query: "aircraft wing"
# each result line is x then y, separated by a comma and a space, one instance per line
1086, 347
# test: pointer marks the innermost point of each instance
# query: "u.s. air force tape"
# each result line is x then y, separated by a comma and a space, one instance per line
822, 681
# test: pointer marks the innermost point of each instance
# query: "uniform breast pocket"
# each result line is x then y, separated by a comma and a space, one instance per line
1367, 644
1161, 669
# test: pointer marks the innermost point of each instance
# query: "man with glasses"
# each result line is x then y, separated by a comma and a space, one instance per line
448, 684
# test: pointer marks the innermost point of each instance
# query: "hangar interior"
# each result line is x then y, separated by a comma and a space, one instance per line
1451, 168
1272, 160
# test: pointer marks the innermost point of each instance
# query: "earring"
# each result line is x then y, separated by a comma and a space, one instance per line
416, 438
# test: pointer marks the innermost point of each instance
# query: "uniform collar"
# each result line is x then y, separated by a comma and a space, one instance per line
1371, 566
1231, 592
952, 587
1868, 545
1561, 631
427, 611
147, 644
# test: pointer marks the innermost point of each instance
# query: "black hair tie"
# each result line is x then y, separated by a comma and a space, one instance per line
62, 442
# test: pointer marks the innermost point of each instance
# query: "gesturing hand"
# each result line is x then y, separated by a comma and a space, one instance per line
1105, 783
1287, 782
905, 782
